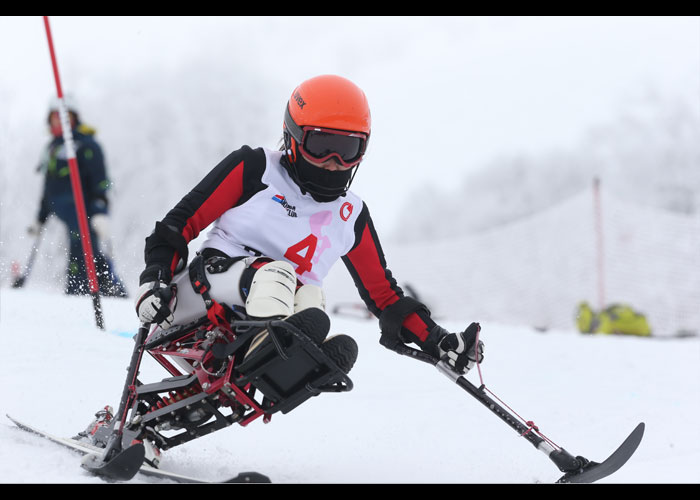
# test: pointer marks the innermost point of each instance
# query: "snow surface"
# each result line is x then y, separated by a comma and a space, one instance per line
403, 422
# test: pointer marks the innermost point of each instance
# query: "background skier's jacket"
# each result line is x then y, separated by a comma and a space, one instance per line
57, 197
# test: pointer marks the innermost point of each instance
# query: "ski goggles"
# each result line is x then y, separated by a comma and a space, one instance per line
321, 144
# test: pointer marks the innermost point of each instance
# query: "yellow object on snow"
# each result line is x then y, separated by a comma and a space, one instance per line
619, 319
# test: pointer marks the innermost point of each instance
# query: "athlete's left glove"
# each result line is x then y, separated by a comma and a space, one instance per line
155, 303
460, 351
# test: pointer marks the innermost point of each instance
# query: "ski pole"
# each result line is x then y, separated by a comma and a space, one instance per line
76, 185
19, 281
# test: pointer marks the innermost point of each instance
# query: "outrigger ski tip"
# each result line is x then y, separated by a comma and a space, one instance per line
593, 471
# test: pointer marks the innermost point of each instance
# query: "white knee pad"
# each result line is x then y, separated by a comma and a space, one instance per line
272, 291
309, 296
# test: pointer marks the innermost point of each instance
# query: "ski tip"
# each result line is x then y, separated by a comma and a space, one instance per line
593, 471
637, 433
249, 477
12, 419
639, 430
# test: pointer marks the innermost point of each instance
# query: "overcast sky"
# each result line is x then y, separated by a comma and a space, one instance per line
452, 92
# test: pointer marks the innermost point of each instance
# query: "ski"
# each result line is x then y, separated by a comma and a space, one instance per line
125, 460
593, 471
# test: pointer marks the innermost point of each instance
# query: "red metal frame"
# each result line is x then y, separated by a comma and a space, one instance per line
199, 359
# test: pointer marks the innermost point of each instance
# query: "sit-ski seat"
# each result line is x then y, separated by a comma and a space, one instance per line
289, 362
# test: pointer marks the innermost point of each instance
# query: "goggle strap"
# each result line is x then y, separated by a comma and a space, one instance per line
294, 130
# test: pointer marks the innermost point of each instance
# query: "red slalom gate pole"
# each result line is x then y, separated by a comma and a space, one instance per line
76, 185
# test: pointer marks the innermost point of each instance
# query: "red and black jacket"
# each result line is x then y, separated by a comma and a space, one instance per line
234, 181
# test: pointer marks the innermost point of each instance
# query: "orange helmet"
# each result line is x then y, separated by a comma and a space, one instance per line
326, 117
330, 101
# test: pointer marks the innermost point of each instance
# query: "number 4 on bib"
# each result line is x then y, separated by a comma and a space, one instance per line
301, 258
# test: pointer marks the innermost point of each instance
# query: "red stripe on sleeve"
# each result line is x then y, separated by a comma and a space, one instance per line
372, 273
224, 197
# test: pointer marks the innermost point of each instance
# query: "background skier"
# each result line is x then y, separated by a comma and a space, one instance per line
57, 199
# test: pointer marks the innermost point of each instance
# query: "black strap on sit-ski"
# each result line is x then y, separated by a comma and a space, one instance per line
217, 313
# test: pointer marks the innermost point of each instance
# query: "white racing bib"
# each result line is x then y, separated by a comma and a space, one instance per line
282, 223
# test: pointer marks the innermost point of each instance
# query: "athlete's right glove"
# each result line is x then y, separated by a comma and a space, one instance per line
155, 303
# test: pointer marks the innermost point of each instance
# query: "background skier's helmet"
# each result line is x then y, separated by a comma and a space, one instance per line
71, 107
326, 117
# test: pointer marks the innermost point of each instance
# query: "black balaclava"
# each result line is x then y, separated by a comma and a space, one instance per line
323, 185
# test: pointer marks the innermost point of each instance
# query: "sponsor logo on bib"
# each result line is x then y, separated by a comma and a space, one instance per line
291, 209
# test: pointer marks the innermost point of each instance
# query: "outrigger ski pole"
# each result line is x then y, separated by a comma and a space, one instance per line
120, 463
576, 469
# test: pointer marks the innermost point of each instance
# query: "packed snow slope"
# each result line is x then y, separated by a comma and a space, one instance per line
403, 422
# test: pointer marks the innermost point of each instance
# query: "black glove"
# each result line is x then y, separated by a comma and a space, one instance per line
460, 350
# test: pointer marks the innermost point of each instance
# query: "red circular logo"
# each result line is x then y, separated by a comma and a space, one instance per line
346, 210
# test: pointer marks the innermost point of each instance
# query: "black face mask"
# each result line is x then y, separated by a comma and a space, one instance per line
323, 185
